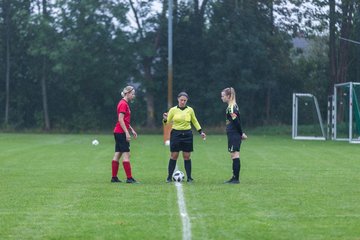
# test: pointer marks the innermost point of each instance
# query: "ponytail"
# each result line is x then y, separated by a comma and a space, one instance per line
127, 90
232, 95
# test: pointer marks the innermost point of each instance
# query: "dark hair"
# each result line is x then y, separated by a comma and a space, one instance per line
183, 94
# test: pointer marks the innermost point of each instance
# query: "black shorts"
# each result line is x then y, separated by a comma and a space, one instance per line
181, 140
234, 141
121, 145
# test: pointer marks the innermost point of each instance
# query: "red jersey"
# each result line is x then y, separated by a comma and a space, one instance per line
123, 107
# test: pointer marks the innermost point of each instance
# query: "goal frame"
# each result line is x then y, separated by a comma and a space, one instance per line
295, 111
350, 136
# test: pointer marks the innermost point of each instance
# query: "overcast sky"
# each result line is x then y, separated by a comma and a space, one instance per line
157, 6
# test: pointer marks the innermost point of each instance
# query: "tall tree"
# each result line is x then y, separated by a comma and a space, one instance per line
41, 47
190, 52
347, 9
44, 73
6, 10
16, 17
247, 53
332, 45
339, 19
147, 41
92, 60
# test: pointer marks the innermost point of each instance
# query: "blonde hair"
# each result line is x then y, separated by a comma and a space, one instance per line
127, 90
232, 95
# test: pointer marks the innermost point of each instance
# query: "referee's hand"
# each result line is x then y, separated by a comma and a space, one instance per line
203, 135
165, 115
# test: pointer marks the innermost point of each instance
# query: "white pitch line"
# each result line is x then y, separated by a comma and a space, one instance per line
183, 213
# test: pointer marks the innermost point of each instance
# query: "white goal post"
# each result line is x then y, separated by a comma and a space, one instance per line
346, 112
307, 123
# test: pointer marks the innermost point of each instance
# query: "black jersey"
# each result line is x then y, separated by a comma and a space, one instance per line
233, 123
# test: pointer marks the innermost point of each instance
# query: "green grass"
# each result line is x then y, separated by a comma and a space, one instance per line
58, 187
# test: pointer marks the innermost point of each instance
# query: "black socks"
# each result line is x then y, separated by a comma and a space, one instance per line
187, 164
236, 168
171, 167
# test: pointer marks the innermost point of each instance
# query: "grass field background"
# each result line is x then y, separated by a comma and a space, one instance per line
58, 187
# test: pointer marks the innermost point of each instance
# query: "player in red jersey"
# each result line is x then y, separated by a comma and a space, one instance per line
122, 136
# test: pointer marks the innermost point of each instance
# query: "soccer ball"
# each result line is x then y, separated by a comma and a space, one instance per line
95, 142
178, 176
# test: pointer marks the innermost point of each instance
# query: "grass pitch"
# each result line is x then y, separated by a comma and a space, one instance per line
58, 187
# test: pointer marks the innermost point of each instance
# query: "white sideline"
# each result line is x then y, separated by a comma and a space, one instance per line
183, 213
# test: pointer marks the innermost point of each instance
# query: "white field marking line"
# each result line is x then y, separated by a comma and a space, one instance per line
183, 213
185, 219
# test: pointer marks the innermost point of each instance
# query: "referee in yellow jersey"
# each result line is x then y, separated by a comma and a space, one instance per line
181, 137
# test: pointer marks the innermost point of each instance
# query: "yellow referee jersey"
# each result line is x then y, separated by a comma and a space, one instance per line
182, 118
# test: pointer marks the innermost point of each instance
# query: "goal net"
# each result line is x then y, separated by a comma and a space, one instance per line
346, 114
307, 123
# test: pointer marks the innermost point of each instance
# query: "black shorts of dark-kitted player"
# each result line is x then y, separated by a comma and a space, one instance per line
234, 141
181, 140
121, 145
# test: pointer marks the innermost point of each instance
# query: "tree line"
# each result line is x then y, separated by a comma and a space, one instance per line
64, 62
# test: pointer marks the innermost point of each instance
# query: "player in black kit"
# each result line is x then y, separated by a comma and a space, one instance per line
234, 132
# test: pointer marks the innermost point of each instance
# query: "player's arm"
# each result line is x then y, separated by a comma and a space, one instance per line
168, 116
238, 126
235, 118
123, 126
165, 116
196, 124
133, 132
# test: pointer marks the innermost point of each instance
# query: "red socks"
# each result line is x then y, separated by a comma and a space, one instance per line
115, 168
127, 168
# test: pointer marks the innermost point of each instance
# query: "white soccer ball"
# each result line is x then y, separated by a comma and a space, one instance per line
95, 142
178, 176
